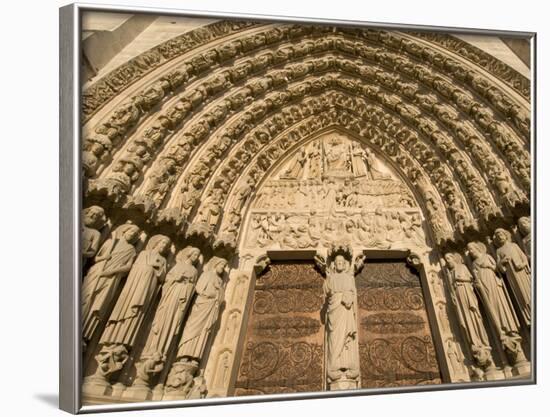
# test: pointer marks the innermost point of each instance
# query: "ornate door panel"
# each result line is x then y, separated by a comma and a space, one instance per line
283, 350
395, 341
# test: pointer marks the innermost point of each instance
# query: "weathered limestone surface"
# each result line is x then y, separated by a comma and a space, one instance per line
226, 146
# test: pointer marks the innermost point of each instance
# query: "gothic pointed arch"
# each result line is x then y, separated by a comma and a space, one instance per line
236, 148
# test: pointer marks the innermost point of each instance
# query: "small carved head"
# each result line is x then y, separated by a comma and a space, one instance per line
130, 232
340, 263
94, 216
501, 236
189, 253
160, 244
452, 259
524, 225
476, 249
217, 264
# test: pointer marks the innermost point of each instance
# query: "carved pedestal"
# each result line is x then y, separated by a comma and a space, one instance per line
343, 384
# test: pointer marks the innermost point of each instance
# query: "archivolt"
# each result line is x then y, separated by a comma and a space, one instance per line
403, 96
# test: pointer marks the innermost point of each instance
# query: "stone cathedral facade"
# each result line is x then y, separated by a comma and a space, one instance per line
279, 208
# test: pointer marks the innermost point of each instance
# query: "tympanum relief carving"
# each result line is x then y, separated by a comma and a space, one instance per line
341, 191
215, 149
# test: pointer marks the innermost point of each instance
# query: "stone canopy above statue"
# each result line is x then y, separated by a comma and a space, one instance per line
331, 188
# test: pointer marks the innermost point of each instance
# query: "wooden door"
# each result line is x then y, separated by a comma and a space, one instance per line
283, 351
396, 346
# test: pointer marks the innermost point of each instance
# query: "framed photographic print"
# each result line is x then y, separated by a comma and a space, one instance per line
264, 208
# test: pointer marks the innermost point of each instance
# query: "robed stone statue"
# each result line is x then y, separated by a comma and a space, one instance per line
138, 292
112, 263
469, 311
204, 313
496, 301
512, 262
342, 346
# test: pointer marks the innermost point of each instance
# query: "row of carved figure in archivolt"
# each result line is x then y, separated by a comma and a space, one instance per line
380, 229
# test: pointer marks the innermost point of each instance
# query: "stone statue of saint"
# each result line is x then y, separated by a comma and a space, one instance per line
496, 301
112, 262
341, 322
296, 167
93, 220
358, 158
137, 294
314, 156
176, 294
468, 310
512, 262
204, 313
337, 157
374, 167
524, 227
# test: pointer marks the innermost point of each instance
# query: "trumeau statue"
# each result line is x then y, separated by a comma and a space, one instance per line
342, 346
468, 310
176, 293
93, 220
204, 313
138, 292
496, 301
112, 262
512, 262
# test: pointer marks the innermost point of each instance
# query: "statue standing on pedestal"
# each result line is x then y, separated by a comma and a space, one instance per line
512, 262
112, 262
342, 345
204, 313
137, 294
210, 290
497, 303
469, 312
176, 294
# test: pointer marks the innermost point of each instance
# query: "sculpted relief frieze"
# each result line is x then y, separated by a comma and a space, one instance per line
238, 144
332, 189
